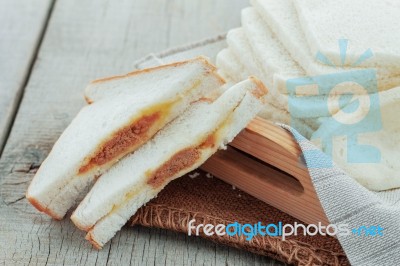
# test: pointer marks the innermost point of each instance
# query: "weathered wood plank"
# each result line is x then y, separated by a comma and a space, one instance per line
21, 26
86, 40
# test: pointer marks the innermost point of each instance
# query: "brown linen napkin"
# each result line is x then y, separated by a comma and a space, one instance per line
210, 200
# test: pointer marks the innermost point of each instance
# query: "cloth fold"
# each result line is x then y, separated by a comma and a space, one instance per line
347, 202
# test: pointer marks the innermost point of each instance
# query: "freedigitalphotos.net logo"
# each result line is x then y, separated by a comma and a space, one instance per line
249, 231
345, 103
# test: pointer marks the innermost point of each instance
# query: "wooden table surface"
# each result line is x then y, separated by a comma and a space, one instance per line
49, 51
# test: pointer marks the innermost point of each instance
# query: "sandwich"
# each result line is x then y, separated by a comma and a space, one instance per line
181, 146
103, 132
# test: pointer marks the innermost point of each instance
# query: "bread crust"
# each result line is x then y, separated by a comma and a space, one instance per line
88, 100
90, 238
79, 225
42, 208
211, 69
175, 64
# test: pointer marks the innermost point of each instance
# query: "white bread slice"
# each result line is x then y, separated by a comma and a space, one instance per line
180, 147
367, 24
238, 44
108, 129
281, 18
316, 105
242, 55
295, 48
277, 108
268, 52
272, 56
374, 176
272, 111
236, 72
137, 81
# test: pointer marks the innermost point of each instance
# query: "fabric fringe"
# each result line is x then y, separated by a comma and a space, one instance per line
288, 251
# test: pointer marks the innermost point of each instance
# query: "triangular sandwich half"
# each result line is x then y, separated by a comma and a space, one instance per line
105, 131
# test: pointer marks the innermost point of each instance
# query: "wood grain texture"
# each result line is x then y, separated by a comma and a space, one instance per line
86, 40
271, 147
21, 26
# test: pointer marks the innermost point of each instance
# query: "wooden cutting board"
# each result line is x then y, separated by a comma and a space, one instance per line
265, 161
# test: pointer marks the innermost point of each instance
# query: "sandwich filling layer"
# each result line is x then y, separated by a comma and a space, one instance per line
178, 162
184, 160
121, 141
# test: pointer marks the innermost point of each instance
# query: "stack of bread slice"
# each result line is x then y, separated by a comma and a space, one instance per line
374, 144
272, 44
139, 132
286, 41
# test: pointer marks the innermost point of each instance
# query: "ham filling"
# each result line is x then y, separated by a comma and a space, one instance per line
121, 142
181, 160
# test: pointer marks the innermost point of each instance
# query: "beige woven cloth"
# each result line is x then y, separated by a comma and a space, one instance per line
210, 200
